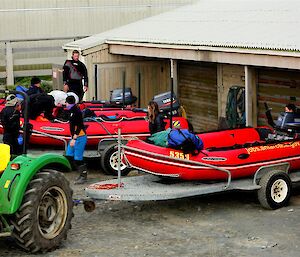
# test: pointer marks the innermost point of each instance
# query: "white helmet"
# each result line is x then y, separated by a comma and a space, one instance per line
75, 96
59, 97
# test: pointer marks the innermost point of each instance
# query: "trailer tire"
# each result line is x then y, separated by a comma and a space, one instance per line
109, 161
275, 191
45, 214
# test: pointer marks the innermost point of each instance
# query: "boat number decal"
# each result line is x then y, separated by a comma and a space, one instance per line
272, 147
176, 124
179, 155
215, 159
52, 129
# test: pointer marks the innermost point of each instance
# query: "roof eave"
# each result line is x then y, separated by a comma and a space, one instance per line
232, 49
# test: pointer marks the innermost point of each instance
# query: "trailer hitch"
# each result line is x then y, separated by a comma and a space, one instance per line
88, 204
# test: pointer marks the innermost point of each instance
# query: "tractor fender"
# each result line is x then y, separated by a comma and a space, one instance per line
13, 182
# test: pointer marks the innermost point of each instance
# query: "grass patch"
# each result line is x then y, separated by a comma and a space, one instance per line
47, 84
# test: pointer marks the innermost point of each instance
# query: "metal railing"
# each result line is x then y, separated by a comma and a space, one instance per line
196, 163
52, 136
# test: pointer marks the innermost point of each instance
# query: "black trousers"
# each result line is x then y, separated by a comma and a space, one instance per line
76, 87
12, 141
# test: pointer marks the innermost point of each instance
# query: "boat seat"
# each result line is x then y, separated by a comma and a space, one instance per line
229, 138
4, 156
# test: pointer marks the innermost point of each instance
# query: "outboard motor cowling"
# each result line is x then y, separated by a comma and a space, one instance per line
164, 103
116, 96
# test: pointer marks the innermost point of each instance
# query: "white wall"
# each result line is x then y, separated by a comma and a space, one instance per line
68, 18
58, 22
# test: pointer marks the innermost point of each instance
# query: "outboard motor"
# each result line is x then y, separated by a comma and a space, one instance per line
164, 103
116, 96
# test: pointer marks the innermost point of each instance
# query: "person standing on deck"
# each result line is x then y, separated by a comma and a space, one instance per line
74, 73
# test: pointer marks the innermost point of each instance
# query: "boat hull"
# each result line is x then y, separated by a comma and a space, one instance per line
96, 131
239, 161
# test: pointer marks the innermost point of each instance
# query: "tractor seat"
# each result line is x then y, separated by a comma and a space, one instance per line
4, 156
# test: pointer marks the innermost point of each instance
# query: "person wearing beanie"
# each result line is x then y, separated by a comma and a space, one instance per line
35, 87
40, 102
10, 120
78, 140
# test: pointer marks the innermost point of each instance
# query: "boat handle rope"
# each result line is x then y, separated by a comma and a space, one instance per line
52, 136
114, 121
100, 123
182, 160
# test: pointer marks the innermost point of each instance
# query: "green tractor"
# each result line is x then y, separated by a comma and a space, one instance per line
36, 206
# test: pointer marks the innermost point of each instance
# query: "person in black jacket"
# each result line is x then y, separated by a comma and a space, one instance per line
73, 74
78, 140
40, 102
35, 87
10, 119
156, 119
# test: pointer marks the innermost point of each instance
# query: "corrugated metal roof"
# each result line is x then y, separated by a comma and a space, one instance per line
27, 19
251, 24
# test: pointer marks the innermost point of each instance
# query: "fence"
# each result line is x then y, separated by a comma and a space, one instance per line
31, 57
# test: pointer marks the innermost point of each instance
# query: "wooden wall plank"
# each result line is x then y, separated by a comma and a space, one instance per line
277, 88
197, 87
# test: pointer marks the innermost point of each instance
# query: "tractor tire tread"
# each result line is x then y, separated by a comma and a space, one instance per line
26, 230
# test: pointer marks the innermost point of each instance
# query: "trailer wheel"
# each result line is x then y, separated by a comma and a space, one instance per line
275, 191
109, 161
45, 214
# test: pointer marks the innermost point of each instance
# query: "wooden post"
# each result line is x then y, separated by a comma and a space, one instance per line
221, 107
175, 77
9, 64
139, 77
123, 88
172, 91
96, 81
249, 95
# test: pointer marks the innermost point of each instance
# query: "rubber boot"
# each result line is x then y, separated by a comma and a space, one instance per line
72, 163
82, 176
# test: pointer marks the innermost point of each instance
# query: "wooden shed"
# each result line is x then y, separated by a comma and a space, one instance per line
32, 32
214, 45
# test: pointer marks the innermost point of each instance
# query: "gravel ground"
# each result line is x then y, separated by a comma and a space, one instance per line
231, 224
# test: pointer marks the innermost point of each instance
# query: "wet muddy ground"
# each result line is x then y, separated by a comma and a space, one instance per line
231, 224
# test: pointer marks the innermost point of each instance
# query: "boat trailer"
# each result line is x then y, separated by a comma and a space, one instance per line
273, 184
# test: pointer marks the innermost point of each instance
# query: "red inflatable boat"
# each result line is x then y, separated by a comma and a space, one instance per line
118, 113
238, 151
97, 129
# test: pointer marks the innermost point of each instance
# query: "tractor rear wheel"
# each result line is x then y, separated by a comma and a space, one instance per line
45, 214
